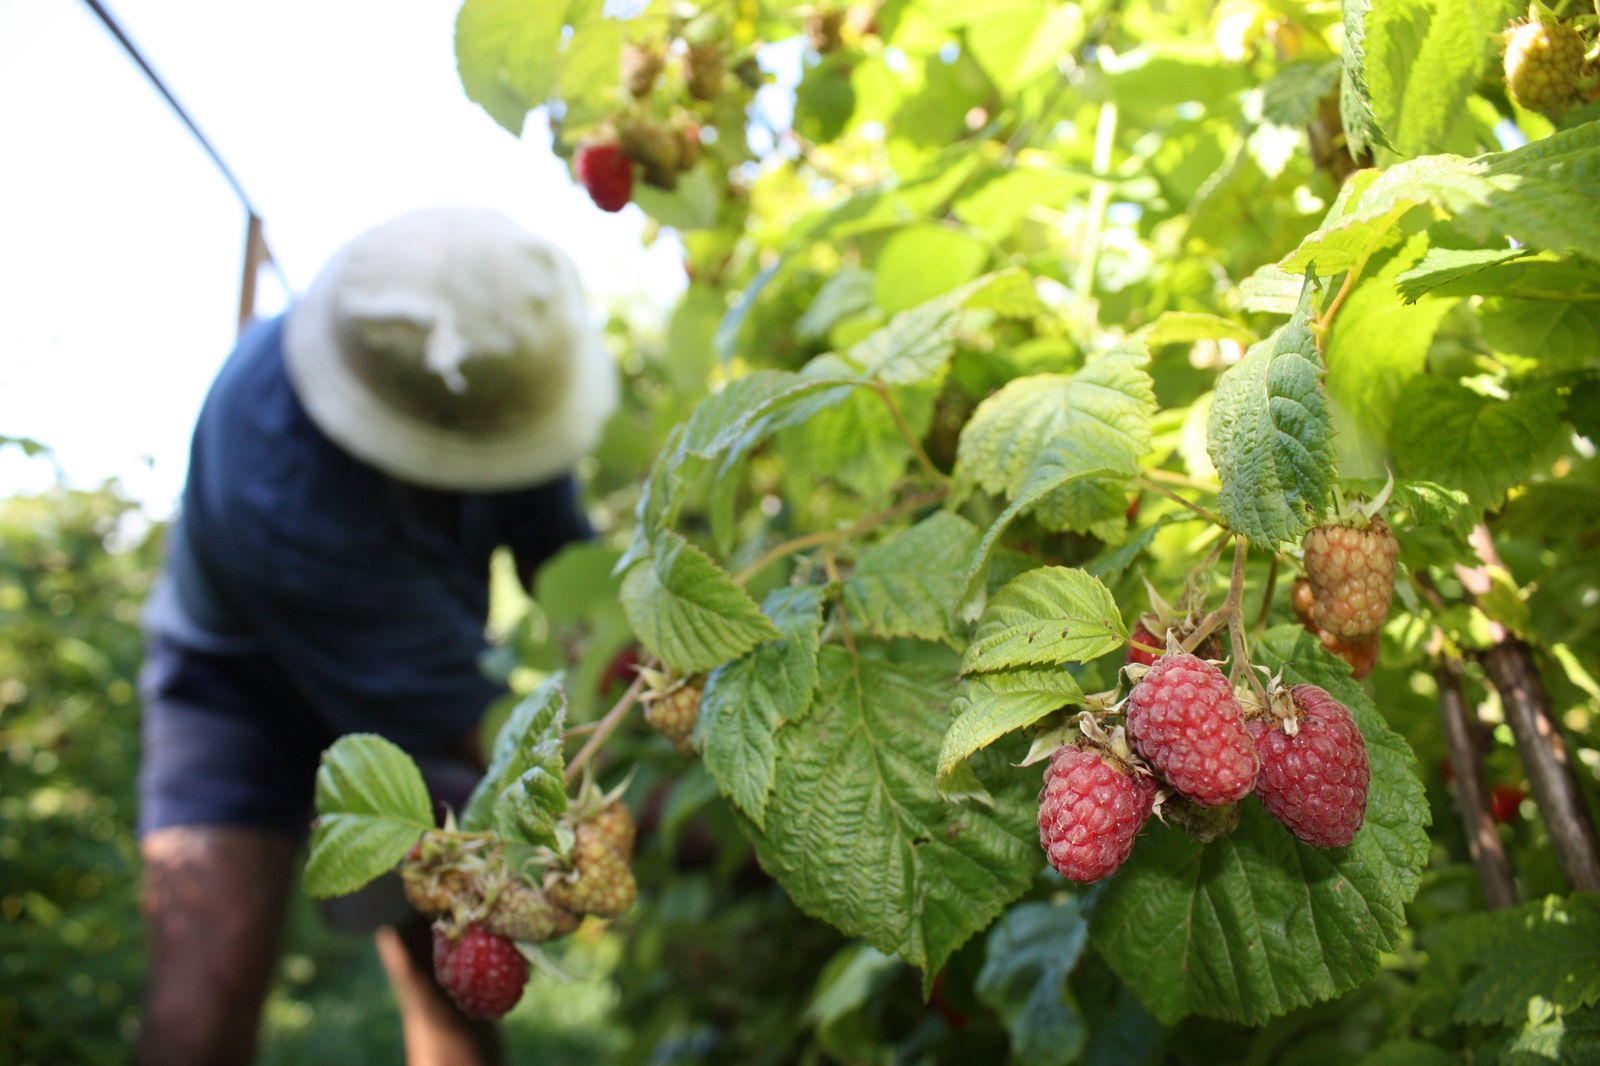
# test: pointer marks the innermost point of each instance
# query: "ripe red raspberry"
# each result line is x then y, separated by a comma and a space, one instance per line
1544, 66
1505, 803
1089, 813
1352, 577
607, 174
1183, 718
483, 973
1314, 781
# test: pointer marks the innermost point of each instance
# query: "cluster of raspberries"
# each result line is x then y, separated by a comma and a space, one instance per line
1305, 761
1344, 597
482, 910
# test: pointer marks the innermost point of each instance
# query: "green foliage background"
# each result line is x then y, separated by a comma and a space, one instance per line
968, 297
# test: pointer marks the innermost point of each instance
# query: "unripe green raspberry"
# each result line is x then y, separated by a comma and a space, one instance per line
1544, 65
523, 912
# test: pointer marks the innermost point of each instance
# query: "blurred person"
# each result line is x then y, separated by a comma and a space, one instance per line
356, 462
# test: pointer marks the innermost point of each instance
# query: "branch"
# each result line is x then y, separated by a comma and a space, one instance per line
905, 430
1145, 483
1472, 799
1211, 622
604, 728
1511, 668
824, 536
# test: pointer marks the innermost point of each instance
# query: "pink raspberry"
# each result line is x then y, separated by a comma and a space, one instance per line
1183, 718
1089, 813
483, 973
1314, 782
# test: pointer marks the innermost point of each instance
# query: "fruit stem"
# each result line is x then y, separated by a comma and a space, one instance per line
1146, 483
832, 567
1241, 659
1209, 624
905, 431
1266, 596
604, 728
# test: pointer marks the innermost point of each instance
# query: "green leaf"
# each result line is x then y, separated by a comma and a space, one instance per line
372, 805
846, 293
850, 436
1446, 433
1354, 230
1186, 327
1051, 615
747, 701
1454, 270
1089, 451
921, 262
1423, 503
856, 832
1378, 345
1547, 949
1424, 57
1270, 435
1030, 952
1558, 331
1112, 396
687, 610
523, 792
992, 705
507, 53
1355, 97
917, 343
1257, 923
1019, 40
909, 585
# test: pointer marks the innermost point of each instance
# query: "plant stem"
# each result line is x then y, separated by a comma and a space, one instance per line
1083, 281
1483, 841
905, 430
1209, 624
604, 728
1172, 477
824, 536
1266, 596
844, 622
1145, 483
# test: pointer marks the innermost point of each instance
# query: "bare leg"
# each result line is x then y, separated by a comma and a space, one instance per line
436, 1033
214, 902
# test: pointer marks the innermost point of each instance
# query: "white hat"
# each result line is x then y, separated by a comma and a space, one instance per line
451, 348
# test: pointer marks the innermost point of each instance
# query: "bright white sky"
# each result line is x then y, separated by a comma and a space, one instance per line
121, 246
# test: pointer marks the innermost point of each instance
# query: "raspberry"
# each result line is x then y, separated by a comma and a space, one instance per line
433, 883
1544, 65
522, 912
1090, 812
703, 71
657, 151
1352, 577
600, 882
1360, 652
1314, 780
1505, 803
612, 826
1183, 718
606, 174
674, 712
640, 66
483, 973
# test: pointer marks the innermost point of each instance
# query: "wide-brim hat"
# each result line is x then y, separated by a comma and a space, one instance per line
451, 348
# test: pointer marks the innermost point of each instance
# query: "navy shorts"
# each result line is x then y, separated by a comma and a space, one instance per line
227, 741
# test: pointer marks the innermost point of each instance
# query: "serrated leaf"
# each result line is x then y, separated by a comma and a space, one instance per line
687, 610
522, 792
1454, 270
1424, 503
1090, 451
1354, 230
747, 701
846, 293
1112, 396
1546, 949
1446, 433
1271, 290
918, 342
855, 442
856, 832
1557, 331
1185, 327
372, 805
1029, 954
1423, 58
1052, 615
909, 585
1270, 435
1377, 346
1257, 923
992, 705
1355, 101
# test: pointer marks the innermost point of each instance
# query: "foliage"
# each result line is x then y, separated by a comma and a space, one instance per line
993, 315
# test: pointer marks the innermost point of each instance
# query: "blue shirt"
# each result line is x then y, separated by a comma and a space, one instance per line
370, 594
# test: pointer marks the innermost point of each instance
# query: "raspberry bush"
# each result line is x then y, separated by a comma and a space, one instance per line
1307, 286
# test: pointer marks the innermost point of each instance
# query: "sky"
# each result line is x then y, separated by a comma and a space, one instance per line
121, 245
